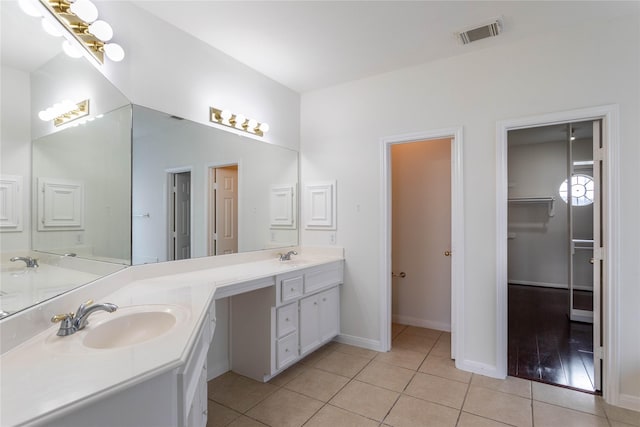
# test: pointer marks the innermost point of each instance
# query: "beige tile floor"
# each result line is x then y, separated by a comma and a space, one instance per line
416, 384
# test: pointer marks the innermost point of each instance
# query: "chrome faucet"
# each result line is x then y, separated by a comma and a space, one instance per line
70, 323
287, 256
31, 262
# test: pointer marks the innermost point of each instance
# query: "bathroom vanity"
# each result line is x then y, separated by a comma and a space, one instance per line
279, 312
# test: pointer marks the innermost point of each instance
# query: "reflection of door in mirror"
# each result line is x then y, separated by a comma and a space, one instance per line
180, 215
223, 191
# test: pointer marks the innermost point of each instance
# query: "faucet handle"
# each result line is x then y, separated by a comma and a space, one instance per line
66, 324
61, 317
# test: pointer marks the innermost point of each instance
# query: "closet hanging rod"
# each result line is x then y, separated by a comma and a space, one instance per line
532, 199
548, 200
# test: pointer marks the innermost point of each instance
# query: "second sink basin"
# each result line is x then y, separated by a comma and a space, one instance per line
132, 325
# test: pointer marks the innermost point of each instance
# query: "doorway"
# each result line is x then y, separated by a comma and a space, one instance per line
454, 245
223, 210
421, 234
554, 206
179, 213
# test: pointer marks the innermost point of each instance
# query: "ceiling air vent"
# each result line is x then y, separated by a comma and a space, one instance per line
490, 29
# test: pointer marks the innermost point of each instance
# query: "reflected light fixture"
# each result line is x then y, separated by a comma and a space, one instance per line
237, 121
65, 111
77, 21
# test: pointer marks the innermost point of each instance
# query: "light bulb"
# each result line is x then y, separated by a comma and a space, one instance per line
264, 127
225, 115
58, 109
69, 105
43, 116
50, 113
50, 29
84, 10
102, 30
251, 125
240, 119
71, 50
114, 52
29, 8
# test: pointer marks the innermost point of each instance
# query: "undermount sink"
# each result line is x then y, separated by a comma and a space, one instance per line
132, 325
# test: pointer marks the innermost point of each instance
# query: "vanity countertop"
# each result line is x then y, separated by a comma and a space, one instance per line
47, 376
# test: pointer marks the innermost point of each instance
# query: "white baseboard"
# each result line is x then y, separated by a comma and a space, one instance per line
422, 323
479, 368
550, 285
359, 342
628, 401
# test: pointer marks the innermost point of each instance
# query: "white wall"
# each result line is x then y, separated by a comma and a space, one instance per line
15, 148
539, 243
168, 70
421, 232
580, 68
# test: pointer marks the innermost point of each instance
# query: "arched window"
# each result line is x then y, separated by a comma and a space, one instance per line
582, 190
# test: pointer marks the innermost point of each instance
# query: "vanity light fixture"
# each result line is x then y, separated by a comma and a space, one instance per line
237, 121
65, 112
77, 21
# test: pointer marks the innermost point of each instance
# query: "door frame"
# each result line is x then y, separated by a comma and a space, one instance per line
611, 242
457, 234
209, 213
169, 173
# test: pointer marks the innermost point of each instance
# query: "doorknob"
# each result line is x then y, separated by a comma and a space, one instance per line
402, 275
447, 253
592, 261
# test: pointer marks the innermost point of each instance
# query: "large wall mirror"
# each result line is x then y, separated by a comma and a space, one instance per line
199, 190
132, 185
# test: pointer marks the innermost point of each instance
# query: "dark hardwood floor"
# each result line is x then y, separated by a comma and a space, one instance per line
543, 344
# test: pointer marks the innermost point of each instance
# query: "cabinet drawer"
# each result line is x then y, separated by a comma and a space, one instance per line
287, 349
287, 318
291, 288
322, 278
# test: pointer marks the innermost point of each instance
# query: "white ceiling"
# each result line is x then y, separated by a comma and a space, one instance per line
23, 43
307, 45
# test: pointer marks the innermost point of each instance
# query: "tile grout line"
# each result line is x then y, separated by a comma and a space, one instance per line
464, 400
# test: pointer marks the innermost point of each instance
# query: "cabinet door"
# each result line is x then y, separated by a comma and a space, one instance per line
309, 324
329, 303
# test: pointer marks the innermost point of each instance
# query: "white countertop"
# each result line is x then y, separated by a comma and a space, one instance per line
47, 376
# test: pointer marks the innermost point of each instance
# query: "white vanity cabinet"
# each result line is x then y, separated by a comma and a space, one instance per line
177, 398
319, 319
274, 327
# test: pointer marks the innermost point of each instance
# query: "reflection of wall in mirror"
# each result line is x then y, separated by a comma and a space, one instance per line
15, 146
65, 78
96, 154
162, 144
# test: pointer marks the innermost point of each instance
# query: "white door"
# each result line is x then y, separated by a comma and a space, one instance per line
585, 214
181, 215
309, 324
225, 233
329, 313
421, 233
598, 261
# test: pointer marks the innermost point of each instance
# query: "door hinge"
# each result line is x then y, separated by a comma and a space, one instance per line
598, 154
215, 185
598, 253
215, 236
598, 352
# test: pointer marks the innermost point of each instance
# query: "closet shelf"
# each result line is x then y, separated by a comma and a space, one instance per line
548, 200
